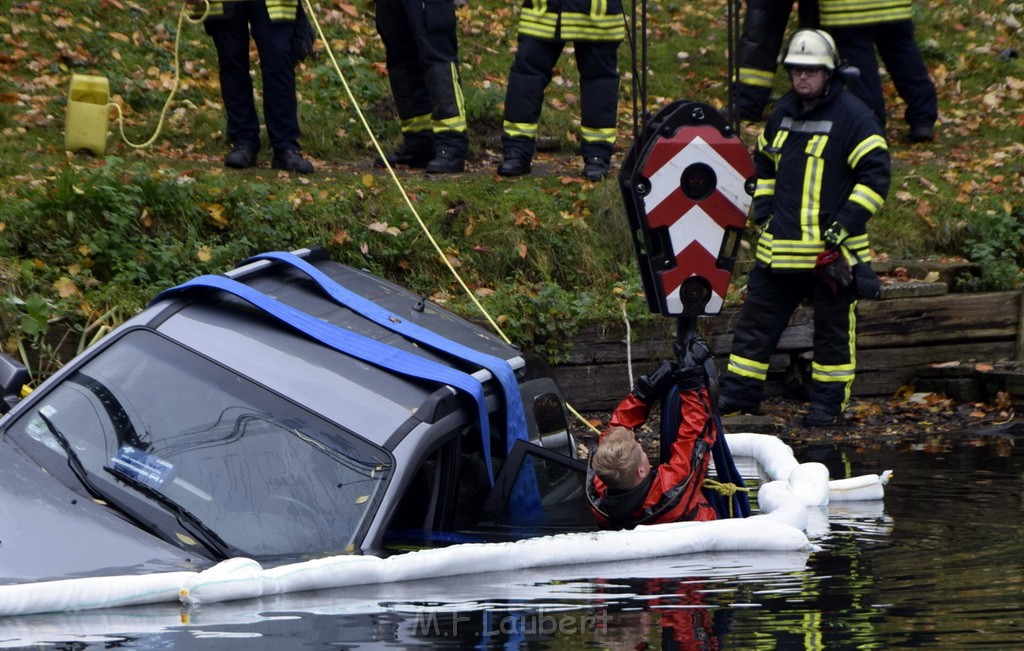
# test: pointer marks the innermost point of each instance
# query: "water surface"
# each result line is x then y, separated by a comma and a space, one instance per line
937, 564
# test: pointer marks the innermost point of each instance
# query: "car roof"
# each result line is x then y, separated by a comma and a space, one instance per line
366, 399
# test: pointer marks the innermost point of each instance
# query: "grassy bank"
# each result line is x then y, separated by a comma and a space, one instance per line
86, 241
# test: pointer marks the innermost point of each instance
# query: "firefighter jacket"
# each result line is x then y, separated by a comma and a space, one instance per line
672, 491
852, 13
278, 9
813, 168
573, 20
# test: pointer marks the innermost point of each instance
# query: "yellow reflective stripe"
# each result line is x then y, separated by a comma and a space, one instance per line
282, 9
460, 101
537, 31
755, 77
810, 199
418, 123
858, 248
867, 145
535, 22
788, 254
591, 134
799, 247
576, 18
764, 188
834, 369
864, 196
841, 14
457, 124
764, 247
748, 368
524, 129
581, 34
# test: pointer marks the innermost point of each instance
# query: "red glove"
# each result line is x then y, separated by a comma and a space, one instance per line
833, 270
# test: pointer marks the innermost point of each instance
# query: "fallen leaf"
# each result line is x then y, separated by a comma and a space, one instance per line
216, 212
65, 287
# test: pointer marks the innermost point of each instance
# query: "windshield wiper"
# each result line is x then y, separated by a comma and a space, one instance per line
81, 474
210, 539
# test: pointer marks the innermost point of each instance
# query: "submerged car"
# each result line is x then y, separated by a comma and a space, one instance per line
291, 408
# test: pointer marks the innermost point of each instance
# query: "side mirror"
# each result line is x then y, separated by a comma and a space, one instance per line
13, 376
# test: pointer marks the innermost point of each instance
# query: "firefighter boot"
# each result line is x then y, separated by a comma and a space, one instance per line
518, 157
449, 154
416, 150
595, 168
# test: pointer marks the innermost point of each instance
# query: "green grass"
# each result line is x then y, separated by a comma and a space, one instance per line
88, 240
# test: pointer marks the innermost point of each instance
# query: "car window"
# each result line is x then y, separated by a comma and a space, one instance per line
539, 489
270, 478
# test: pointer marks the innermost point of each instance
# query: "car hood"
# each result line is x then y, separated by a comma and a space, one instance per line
51, 532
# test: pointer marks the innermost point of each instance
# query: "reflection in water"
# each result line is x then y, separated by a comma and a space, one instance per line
938, 563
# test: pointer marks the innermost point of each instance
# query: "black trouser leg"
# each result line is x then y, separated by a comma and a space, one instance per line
599, 90
277, 70
529, 75
231, 39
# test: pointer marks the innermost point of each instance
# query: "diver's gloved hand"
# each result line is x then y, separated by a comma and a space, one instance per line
691, 373
833, 270
694, 353
649, 388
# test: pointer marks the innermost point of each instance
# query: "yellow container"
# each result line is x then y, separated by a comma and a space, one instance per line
85, 127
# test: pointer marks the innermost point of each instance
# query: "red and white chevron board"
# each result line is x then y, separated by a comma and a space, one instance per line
697, 228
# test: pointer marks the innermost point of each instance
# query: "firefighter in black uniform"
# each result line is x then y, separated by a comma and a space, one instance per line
596, 29
859, 28
764, 26
822, 169
422, 60
272, 22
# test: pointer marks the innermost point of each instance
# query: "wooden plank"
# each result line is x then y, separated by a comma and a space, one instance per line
883, 371
938, 319
1020, 330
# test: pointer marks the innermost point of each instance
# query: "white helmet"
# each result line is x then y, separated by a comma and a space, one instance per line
811, 48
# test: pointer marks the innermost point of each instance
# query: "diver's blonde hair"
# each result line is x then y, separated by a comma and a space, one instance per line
615, 461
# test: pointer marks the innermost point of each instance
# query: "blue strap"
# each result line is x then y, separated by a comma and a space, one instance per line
515, 415
350, 343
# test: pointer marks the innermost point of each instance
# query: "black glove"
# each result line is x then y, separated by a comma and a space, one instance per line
833, 270
690, 378
868, 284
649, 388
694, 353
691, 373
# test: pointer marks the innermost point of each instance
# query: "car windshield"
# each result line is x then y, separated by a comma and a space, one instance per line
267, 477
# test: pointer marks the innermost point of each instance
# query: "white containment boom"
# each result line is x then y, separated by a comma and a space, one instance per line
783, 502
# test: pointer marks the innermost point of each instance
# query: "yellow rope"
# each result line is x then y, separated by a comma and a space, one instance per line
376, 144
726, 489
405, 194
174, 87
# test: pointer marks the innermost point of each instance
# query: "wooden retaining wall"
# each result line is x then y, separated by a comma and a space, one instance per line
897, 339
